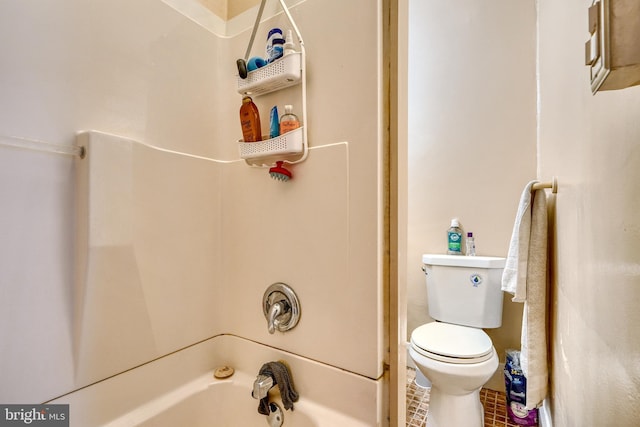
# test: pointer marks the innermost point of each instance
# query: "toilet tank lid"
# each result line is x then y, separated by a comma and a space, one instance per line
464, 261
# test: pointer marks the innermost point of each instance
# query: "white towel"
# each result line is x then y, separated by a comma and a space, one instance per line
514, 276
527, 279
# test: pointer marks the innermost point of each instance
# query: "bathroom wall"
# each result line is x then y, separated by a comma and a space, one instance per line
218, 7
320, 232
227, 9
472, 127
145, 72
236, 7
591, 144
136, 70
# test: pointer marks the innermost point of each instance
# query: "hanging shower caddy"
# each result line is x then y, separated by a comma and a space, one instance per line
289, 70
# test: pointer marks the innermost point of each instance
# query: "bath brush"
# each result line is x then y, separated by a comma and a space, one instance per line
279, 172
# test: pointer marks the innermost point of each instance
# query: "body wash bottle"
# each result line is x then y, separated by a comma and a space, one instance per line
250, 121
288, 121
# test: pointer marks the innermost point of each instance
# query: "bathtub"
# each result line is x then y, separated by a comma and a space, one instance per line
180, 390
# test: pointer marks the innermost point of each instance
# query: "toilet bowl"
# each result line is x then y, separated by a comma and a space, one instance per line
453, 352
458, 360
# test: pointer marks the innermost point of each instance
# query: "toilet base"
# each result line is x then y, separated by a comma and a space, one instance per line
446, 410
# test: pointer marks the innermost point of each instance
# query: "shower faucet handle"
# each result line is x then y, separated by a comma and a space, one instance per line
276, 310
281, 308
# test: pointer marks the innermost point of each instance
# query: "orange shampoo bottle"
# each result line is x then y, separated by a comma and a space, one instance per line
250, 121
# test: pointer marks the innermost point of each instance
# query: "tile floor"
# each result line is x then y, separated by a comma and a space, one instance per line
495, 414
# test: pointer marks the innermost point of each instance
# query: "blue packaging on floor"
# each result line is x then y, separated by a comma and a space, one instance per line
516, 392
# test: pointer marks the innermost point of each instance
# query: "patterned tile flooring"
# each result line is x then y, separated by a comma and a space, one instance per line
495, 410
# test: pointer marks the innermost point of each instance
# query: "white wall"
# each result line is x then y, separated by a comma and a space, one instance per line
145, 72
472, 127
136, 69
591, 144
322, 232
588, 142
84, 65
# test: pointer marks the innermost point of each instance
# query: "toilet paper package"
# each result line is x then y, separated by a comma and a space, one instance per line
516, 392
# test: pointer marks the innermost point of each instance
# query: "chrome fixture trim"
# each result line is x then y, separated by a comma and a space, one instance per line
281, 307
276, 415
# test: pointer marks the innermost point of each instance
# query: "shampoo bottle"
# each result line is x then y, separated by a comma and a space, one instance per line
250, 120
288, 121
454, 238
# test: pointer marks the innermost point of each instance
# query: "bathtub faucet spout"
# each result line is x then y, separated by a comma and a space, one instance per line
261, 386
270, 375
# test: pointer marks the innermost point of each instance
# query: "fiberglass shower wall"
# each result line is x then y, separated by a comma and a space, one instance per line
147, 73
134, 69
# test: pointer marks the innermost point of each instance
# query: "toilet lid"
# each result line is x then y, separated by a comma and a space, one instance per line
452, 342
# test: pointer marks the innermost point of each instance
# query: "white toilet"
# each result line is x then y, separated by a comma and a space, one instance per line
454, 353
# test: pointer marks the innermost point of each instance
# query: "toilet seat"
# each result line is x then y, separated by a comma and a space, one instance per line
452, 343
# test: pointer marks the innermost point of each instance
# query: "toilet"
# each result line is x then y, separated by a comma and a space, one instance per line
453, 352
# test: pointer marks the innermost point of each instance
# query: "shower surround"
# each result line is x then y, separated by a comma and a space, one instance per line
188, 237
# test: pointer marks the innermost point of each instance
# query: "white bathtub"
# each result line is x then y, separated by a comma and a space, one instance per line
180, 390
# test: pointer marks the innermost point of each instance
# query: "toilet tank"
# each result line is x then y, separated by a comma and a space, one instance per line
464, 290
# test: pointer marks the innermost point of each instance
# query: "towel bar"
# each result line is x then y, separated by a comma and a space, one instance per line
553, 185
